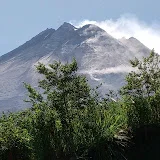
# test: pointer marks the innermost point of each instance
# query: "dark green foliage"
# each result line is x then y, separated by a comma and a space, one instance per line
67, 120
141, 97
14, 139
142, 92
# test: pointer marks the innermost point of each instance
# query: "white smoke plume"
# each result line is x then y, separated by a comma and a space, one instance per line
118, 69
129, 26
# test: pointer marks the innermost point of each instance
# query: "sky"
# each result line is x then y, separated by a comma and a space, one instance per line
20, 20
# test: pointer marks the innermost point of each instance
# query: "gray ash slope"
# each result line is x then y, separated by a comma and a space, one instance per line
102, 58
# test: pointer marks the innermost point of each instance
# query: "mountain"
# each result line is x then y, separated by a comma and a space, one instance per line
101, 57
135, 46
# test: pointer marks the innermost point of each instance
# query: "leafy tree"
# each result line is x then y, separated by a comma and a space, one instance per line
69, 118
142, 91
14, 140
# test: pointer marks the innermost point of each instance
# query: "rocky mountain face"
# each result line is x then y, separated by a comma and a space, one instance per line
102, 58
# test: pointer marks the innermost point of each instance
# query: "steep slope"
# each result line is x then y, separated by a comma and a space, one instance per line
135, 46
101, 57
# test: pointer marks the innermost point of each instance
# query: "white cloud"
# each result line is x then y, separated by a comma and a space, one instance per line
118, 69
129, 26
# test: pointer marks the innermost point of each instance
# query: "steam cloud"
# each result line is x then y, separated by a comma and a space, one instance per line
118, 69
129, 26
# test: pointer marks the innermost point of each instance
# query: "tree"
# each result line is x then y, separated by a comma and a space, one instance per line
142, 91
69, 119
14, 139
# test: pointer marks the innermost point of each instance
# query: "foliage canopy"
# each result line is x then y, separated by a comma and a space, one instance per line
67, 120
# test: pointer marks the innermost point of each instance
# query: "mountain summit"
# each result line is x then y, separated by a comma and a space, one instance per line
67, 26
101, 57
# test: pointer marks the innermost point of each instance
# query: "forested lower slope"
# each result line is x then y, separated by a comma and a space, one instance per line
68, 120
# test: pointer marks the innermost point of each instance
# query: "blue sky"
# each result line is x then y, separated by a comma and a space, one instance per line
20, 20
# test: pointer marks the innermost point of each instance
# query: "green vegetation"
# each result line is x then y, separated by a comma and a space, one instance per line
69, 121
142, 92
